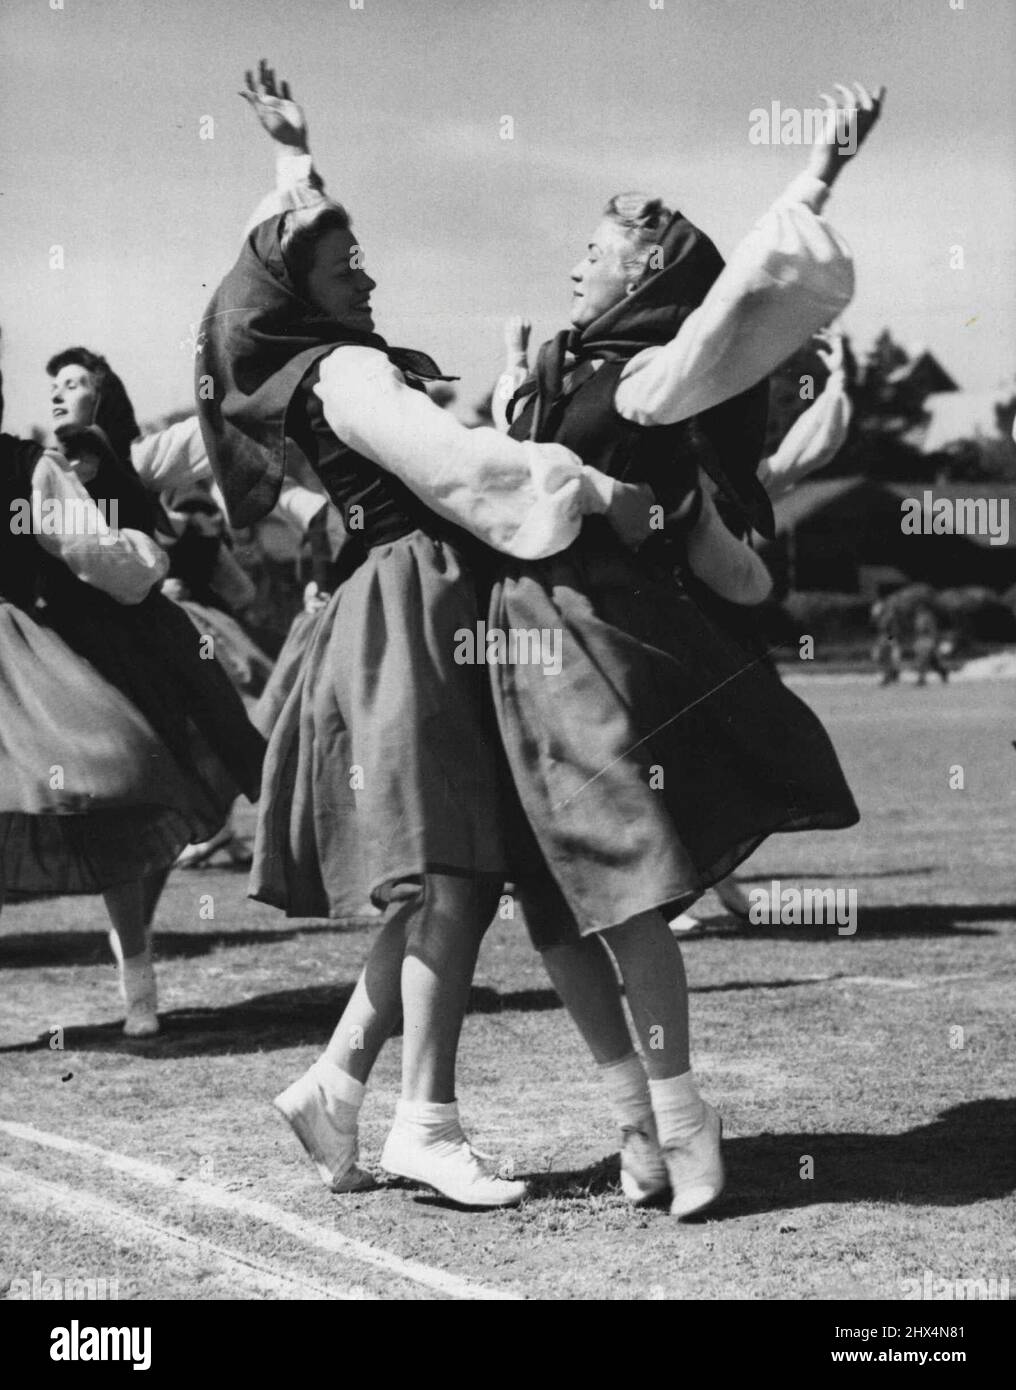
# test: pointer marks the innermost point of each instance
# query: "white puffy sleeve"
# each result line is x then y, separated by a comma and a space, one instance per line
297, 185
525, 499
812, 441
789, 277
172, 458
123, 563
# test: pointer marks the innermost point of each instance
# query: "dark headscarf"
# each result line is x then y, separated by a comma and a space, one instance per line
260, 338
731, 435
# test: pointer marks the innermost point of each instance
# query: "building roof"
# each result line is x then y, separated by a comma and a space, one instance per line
956, 416
809, 498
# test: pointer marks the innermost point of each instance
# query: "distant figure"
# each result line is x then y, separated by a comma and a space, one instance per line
926, 640
888, 648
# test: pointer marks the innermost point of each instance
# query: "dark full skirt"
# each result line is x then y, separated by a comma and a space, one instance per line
663, 753
381, 765
90, 796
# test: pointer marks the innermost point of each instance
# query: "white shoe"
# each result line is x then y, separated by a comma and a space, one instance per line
733, 897
696, 1167
333, 1151
686, 925
644, 1175
452, 1168
138, 991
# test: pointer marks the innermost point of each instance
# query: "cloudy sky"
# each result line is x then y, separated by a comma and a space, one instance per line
102, 104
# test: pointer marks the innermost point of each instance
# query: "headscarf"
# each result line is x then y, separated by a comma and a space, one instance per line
731, 434
259, 338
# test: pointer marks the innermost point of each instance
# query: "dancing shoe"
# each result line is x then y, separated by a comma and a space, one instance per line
733, 897
333, 1151
139, 993
452, 1168
224, 841
644, 1175
696, 1167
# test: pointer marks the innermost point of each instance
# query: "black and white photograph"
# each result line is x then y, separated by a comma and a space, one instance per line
507, 659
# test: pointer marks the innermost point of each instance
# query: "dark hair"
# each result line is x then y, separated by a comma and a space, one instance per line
300, 232
114, 413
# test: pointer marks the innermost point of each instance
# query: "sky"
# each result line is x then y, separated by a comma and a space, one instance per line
103, 103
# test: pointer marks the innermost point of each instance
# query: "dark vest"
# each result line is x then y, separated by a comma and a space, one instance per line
21, 556
389, 509
585, 420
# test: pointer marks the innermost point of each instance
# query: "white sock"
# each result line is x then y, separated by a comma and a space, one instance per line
137, 977
727, 565
627, 1090
679, 1109
342, 1094
430, 1124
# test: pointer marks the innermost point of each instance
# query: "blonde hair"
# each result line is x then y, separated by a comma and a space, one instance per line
641, 219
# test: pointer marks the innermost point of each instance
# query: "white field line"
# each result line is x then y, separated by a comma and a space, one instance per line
257, 1278
206, 1194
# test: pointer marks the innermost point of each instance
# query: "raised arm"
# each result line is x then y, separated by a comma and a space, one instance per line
788, 278
817, 435
297, 182
525, 499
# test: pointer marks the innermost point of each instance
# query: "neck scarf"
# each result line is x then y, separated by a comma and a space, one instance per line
731, 435
258, 340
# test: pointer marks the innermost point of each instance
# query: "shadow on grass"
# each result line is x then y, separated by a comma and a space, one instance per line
25, 950
289, 1018
880, 922
963, 1156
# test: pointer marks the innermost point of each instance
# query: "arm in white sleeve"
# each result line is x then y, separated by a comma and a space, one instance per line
299, 505
125, 564
527, 500
812, 440
172, 458
297, 185
789, 277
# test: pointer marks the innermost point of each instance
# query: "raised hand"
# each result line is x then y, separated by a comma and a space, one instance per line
829, 348
630, 513
516, 340
850, 119
274, 107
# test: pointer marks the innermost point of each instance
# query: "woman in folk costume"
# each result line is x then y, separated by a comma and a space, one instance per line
92, 799
147, 648
668, 749
380, 780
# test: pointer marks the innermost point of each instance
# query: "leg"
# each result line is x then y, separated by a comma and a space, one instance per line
427, 1143
131, 944
442, 943
151, 892
689, 1130
584, 977
652, 969
323, 1105
126, 905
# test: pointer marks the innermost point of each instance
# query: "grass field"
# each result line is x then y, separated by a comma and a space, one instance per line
163, 1166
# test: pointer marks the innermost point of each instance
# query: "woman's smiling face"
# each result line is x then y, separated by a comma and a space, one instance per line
601, 278
73, 396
